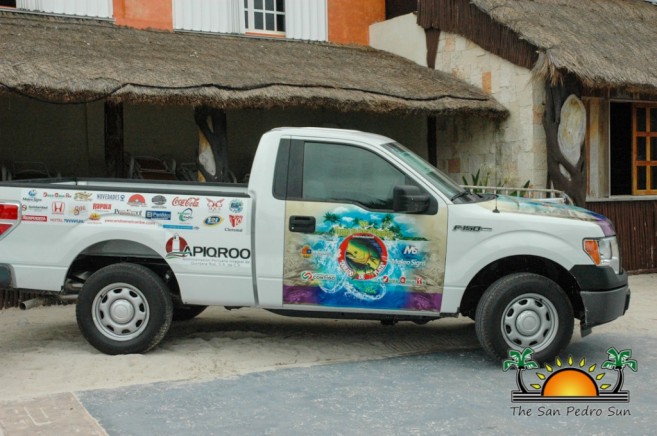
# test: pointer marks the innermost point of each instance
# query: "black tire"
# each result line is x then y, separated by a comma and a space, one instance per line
185, 312
538, 303
124, 308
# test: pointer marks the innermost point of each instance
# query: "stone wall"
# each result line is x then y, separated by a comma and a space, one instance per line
512, 151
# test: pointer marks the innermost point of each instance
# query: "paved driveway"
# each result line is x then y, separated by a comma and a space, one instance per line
450, 392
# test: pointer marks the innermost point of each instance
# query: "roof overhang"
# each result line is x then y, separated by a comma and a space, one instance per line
79, 61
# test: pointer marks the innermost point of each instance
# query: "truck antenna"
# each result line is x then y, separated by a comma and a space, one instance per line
496, 210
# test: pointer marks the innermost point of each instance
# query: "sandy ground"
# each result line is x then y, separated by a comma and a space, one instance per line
42, 351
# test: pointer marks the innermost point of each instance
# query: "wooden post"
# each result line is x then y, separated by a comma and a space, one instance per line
432, 37
212, 157
114, 145
574, 181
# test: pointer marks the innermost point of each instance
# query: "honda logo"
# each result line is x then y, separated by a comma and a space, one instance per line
58, 207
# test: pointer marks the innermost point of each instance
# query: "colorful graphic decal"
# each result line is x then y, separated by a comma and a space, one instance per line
362, 256
361, 259
534, 207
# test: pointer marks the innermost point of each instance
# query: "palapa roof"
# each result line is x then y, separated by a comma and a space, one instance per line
605, 43
73, 60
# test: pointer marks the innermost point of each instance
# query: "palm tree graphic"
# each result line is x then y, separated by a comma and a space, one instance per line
618, 361
522, 361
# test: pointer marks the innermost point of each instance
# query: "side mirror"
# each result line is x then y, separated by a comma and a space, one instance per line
409, 199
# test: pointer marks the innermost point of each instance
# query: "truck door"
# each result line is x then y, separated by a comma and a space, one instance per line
360, 233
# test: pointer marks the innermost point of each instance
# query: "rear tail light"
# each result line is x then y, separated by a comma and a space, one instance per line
8, 212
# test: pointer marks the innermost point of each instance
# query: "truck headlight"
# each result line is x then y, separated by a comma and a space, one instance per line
604, 252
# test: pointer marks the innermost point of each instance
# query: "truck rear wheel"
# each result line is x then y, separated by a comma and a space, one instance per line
524, 310
124, 308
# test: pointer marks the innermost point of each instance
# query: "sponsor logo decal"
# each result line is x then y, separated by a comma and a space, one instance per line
236, 206
362, 256
32, 196
82, 196
214, 205
306, 252
58, 207
186, 202
186, 215
110, 197
128, 212
159, 200
158, 215
177, 247
309, 276
213, 220
235, 221
77, 210
56, 195
72, 221
35, 218
93, 216
137, 200
102, 206
34, 207
179, 227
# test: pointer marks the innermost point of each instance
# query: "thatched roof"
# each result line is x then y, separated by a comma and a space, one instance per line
605, 43
70, 60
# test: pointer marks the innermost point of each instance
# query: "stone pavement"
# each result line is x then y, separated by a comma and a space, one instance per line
450, 392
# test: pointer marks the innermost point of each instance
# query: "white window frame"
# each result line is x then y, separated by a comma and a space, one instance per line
304, 19
249, 12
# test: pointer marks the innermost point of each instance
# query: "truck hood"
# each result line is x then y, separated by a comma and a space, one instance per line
528, 206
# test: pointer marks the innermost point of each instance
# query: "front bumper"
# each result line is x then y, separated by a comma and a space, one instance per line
605, 294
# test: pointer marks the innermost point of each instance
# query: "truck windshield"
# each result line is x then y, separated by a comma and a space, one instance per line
441, 181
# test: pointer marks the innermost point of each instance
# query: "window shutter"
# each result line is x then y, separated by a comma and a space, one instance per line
220, 16
306, 19
88, 8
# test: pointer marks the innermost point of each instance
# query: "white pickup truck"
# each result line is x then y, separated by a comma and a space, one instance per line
333, 223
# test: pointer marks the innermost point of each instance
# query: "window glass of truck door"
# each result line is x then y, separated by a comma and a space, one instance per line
349, 174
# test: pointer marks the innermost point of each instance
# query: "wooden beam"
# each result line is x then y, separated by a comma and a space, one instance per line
114, 143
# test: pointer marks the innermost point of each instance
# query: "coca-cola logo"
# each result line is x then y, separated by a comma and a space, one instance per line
186, 202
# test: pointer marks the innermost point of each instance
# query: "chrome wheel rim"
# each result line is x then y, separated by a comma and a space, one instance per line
120, 312
530, 320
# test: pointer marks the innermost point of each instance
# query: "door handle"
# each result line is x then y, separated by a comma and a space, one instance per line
302, 224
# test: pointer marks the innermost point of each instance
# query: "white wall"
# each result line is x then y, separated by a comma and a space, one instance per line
513, 151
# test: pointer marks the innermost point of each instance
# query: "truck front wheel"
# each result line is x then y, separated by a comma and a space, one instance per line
524, 310
124, 308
